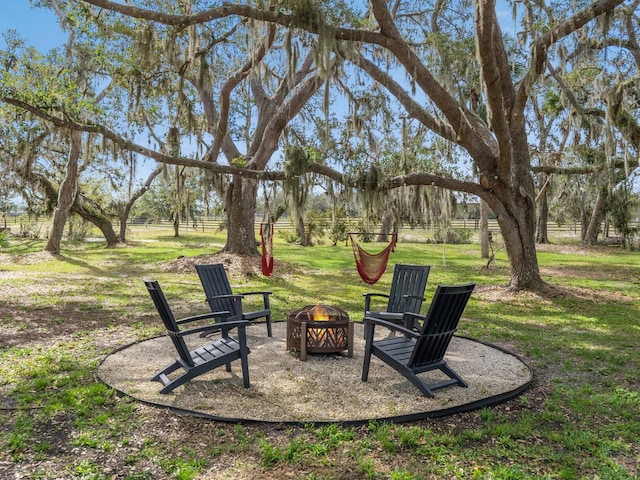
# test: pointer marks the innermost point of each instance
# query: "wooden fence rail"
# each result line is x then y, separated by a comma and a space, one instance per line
213, 224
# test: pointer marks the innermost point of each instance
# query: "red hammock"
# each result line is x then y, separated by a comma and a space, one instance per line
371, 266
266, 240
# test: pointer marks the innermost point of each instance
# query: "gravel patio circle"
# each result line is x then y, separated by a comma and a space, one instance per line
325, 389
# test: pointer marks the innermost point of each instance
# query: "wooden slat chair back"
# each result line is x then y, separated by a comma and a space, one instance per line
169, 321
217, 288
220, 352
407, 288
406, 293
440, 323
220, 296
422, 349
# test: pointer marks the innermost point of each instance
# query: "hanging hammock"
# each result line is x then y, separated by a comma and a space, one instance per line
371, 266
266, 240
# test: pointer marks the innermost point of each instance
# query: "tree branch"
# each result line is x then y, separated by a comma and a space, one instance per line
413, 108
583, 170
466, 125
277, 122
540, 47
471, 132
134, 147
436, 181
499, 88
232, 9
232, 82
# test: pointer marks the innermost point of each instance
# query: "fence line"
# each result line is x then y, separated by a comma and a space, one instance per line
213, 224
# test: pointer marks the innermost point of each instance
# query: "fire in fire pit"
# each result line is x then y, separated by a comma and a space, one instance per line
319, 329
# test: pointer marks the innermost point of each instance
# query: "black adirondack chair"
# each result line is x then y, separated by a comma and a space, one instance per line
424, 341
220, 297
222, 351
406, 293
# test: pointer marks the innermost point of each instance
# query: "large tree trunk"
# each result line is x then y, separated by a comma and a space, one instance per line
241, 211
592, 228
176, 224
515, 210
99, 221
88, 214
66, 195
518, 233
543, 219
386, 227
298, 219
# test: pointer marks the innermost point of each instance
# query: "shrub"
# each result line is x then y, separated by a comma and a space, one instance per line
78, 229
453, 236
288, 236
338, 232
29, 229
4, 238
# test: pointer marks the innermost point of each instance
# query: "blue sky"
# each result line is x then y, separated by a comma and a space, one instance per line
38, 26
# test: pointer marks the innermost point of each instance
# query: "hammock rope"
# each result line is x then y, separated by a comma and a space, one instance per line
371, 266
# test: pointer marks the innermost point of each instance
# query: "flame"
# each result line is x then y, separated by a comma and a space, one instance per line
320, 313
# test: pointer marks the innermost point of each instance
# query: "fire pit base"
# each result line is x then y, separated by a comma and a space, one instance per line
308, 333
332, 334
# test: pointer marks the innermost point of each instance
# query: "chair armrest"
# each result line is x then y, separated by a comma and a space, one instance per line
415, 315
375, 295
265, 297
203, 316
414, 297
388, 316
367, 299
390, 326
213, 328
409, 319
223, 297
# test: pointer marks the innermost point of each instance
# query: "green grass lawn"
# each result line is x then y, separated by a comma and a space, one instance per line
61, 316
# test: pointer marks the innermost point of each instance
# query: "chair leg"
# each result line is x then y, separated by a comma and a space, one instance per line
244, 353
447, 370
426, 391
269, 325
166, 371
181, 380
245, 371
369, 331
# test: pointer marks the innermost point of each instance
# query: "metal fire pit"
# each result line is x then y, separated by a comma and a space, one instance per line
319, 329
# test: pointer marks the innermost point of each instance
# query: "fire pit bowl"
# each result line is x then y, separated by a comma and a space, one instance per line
319, 329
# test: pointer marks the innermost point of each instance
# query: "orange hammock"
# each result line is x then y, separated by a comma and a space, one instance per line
266, 240
371, 266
